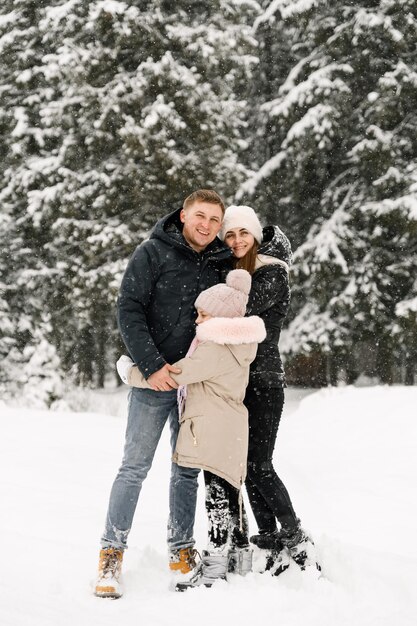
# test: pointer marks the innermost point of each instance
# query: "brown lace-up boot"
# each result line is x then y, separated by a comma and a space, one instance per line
109, 572
183, 561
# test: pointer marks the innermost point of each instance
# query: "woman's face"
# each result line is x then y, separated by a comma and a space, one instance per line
203, 316
240, 241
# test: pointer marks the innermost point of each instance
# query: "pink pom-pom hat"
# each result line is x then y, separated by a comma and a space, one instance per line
227, 300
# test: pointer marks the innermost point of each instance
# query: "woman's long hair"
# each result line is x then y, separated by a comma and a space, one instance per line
248, 262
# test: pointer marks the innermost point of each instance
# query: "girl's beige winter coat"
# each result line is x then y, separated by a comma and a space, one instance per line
214, 425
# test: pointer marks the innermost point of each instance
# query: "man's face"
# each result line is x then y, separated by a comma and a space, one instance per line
202, 221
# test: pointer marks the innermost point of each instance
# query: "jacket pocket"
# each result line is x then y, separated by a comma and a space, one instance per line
191, 437
193, 432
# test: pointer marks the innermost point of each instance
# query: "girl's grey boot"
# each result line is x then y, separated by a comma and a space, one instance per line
240, 561
212, 567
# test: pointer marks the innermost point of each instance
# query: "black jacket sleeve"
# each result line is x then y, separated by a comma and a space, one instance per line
134, 297
270, 287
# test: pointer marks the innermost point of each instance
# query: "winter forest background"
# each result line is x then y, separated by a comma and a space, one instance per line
112, 112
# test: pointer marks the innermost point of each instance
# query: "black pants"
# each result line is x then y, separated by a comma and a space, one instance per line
268, 497
223, 513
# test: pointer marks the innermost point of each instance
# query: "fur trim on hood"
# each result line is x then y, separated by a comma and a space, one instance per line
232, 330
265, 259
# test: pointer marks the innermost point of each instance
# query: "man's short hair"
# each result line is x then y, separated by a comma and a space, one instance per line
204, 195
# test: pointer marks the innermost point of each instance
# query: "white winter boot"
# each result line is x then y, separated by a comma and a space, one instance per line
240, 561
212, 567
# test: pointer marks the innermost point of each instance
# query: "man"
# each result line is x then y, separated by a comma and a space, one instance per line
156, 319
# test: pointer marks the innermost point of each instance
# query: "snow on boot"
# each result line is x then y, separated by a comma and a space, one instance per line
183, 561
277, 561
109, 572
300, 547
212, 567
239, 561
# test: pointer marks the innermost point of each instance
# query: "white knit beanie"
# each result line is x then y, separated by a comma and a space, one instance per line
227, 300
241, 217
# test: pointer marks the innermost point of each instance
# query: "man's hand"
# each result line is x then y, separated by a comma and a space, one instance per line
161, 380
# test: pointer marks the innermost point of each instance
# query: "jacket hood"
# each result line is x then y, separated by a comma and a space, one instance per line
169, 229
276, 244
233, 331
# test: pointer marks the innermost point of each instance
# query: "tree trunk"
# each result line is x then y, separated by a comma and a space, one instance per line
384, 362
410, 364
101, 358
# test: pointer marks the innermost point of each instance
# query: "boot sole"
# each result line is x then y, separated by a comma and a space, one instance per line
181, 587
108, 594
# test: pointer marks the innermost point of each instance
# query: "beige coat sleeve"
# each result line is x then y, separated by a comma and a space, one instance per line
208, 360
136, 379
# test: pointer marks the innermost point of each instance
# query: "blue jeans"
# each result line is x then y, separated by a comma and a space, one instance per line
148, 413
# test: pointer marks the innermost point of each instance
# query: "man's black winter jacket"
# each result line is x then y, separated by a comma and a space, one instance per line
164, 276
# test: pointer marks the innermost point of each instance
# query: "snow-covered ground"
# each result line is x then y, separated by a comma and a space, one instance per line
347, 456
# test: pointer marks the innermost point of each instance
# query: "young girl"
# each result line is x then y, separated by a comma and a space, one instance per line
213, 419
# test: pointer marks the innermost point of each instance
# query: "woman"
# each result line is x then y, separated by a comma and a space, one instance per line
266, 255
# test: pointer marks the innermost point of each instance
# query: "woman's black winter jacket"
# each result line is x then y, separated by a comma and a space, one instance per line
270, 298
164, 276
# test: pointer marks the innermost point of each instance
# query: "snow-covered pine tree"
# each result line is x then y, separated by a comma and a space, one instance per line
300, 97
123, 110
7, 319
345, 167
24, 268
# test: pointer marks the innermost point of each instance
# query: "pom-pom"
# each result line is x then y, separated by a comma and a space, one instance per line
240, 280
